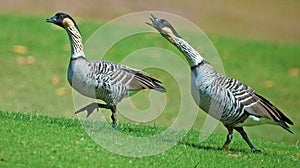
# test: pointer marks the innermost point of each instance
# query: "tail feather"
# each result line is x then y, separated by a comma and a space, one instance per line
275, 109
141, 81
276, 113
148, 82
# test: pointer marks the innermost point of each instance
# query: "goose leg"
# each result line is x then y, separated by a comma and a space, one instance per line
245, 137
90, 108
114, 117
229, 138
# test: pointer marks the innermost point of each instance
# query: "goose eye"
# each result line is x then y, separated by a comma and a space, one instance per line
60, 17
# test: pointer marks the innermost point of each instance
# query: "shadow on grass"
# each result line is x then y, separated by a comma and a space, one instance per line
212, 148
129, 129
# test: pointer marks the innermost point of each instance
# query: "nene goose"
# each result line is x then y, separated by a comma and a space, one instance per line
102, 80
232, 102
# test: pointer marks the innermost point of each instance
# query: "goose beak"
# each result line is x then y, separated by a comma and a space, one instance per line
52, 19
153, 20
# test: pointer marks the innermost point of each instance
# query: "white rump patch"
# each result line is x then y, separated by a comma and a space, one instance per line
253, 120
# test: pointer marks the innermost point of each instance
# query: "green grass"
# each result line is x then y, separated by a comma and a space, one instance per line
53, 140
30, 140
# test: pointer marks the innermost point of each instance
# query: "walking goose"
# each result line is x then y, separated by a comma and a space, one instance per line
232, 102
102, 80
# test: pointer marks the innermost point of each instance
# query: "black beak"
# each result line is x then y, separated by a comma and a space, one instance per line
154, 17
52, 19
154, 20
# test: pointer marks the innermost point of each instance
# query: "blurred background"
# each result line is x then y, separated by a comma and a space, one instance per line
258, 41
268, 19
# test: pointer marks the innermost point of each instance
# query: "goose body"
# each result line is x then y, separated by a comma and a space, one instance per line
226, 99
102, 80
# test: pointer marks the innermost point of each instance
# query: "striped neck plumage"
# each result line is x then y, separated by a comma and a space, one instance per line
192, 56
76, 42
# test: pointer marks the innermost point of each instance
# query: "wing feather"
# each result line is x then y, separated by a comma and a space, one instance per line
254, 104
117, 74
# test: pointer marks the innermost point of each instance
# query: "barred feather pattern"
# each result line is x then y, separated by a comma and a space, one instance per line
76, 41
193, 56
234, 98
231, 101
225, 98
107, 81
213, 92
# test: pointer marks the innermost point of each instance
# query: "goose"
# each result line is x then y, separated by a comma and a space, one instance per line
233, 103
107, 81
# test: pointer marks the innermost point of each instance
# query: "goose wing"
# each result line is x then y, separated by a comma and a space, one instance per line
140, 80
252, 103
120, 75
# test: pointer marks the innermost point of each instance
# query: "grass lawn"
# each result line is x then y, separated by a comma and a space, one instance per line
33, 61
43, 141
